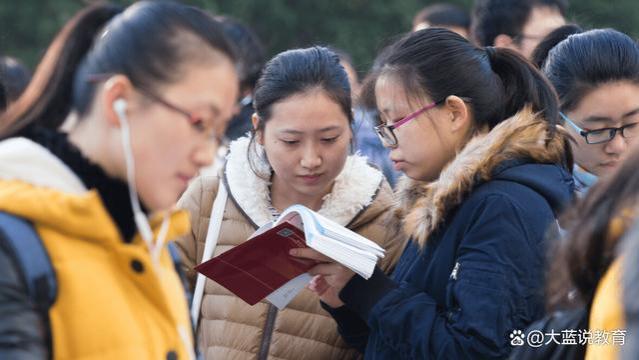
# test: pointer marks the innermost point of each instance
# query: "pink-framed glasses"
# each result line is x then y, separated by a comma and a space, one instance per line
196, 121
386, 133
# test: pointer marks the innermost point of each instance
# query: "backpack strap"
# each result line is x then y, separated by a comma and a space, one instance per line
32, 259
177, 262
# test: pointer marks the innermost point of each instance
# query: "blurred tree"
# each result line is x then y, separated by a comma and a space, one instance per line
360, 27
622, 15
356, 26
27, 27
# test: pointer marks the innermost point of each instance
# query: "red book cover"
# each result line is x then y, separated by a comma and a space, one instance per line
260, 265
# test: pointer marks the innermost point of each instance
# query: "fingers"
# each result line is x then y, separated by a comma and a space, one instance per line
318, 285
332, 269
326, 293
334, 274
309, 253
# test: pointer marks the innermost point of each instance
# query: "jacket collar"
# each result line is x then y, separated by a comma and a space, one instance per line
36, 185
354, 190
584, 179
28, 161
423, 206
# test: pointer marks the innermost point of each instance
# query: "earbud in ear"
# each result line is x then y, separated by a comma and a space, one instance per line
119, 106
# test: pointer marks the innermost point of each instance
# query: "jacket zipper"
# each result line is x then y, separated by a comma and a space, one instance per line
453, 274
268, 332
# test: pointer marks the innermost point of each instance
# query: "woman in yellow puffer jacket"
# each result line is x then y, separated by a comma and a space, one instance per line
144, 93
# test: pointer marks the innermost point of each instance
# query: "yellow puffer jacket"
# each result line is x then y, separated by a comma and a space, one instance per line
231, 329
606, 316
112, 303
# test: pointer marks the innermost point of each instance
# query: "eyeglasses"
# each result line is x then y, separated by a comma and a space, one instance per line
386, 133
197, 122
600, 136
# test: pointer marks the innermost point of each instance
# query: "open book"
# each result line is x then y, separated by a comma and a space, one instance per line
262, 268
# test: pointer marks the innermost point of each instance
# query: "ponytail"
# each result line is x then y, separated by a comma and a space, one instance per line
522, 84
499, 82
47, 99
439, 63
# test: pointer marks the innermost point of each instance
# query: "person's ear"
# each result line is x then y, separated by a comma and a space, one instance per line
460, 117
118, 89
259, 134
505, 41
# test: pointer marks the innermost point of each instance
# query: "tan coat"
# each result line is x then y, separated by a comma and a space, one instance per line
231, 329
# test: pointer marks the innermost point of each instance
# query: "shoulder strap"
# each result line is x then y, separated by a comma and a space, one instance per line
32, 259
177, 262
210, 243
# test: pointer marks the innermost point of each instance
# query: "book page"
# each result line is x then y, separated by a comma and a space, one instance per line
282, 296
333, 229
302, 217
262, 229
335, 241
292, 217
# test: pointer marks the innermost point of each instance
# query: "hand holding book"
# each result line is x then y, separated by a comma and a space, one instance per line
330, 277
263, 266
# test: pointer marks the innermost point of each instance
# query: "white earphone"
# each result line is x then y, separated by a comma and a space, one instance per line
119, 106
141, 221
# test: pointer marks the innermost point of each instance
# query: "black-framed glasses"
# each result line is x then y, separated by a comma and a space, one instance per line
604, 135
197, 122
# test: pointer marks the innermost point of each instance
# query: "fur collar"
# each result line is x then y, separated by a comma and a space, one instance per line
355, 187
424, 206
25, 160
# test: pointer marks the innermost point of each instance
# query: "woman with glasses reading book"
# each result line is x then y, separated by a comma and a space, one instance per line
298, 153
143, 114
596, 75
474, 129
